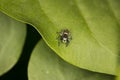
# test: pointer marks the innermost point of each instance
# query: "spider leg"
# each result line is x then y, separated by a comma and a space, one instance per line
70, 37
59, 41
67, 43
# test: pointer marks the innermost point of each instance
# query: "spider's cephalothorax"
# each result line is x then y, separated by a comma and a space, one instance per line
64, 36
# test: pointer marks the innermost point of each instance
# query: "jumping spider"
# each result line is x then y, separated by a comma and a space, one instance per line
64, 36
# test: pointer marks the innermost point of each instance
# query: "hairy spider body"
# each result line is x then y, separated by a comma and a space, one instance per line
64, 36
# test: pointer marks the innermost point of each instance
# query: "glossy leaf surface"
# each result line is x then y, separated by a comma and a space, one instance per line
46, 65
12, 37
93, 24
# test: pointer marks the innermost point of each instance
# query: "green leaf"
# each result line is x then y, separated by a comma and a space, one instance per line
94, 26
46, 65
118, 69
12, 36
118, 73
